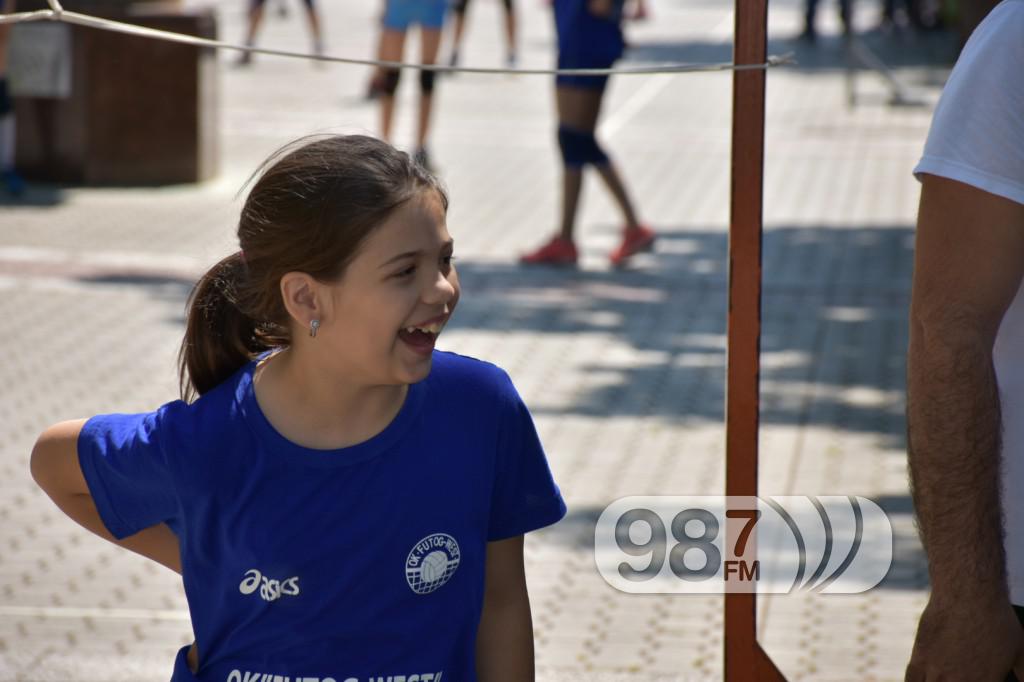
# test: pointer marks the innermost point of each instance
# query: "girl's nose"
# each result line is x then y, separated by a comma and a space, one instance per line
442, 290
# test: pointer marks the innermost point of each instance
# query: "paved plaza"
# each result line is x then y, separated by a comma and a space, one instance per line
624, 371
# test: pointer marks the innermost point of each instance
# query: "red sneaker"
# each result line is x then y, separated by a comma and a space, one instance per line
558, 251
634, 241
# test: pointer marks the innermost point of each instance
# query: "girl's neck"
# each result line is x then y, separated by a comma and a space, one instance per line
313, 409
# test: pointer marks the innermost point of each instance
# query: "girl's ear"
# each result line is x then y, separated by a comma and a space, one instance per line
299, 291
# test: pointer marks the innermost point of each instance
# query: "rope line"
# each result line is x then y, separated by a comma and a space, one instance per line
58, 13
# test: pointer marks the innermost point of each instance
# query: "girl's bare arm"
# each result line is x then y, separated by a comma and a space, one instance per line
504, 642
55, 468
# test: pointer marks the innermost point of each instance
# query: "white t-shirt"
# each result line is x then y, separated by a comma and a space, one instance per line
977, 137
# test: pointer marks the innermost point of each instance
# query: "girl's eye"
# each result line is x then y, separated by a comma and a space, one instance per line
446, 262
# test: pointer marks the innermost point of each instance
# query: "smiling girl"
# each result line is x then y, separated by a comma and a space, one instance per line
343, 501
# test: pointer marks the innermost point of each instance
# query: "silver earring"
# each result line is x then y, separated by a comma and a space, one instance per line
314, 326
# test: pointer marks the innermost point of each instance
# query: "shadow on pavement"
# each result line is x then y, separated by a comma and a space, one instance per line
899, 49
170, 288
34, 194
833, 338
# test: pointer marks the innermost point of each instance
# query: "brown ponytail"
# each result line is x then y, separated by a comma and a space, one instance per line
219, 337
314, 203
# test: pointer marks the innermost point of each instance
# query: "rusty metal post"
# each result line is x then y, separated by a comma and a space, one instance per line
745, 660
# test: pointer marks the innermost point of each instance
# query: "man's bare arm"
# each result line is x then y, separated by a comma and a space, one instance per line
969, 260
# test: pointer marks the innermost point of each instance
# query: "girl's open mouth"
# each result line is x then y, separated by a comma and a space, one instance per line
421, 339
417, 337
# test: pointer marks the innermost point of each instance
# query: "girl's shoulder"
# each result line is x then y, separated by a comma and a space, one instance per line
213, 415
470, 375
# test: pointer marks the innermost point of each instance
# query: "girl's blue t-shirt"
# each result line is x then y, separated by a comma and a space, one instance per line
349, 565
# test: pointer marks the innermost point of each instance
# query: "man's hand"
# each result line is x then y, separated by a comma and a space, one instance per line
964, 640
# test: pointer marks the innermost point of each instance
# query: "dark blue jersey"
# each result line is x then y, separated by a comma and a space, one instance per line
359, 564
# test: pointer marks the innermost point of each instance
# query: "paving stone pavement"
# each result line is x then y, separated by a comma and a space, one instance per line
624, 371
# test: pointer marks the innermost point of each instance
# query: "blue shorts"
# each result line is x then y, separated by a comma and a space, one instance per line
586, 41
400, 14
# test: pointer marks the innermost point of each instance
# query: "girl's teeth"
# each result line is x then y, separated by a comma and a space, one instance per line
431, 329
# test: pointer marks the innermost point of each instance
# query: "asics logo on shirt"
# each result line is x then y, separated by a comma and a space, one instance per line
270, 589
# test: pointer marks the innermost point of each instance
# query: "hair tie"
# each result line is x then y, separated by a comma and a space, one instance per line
241, 254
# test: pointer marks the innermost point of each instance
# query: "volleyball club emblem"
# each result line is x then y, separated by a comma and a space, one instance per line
432, 562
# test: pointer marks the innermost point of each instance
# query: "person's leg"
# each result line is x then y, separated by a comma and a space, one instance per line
510, 32
8, 175
578, 106
459, 8
580, 109
810, 11
613, 181
255, 20
392, 42
888, 13
375, 88
846, 15
10, 178
574, 112
430, 41
313, 18
572, 188
582, 113
578, 103
561, 250
7, 139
